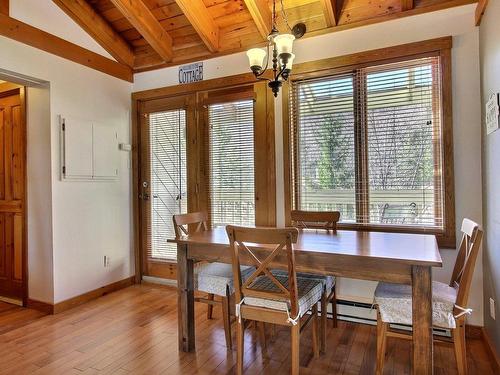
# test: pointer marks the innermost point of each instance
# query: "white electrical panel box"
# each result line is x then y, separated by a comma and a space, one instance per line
89, 150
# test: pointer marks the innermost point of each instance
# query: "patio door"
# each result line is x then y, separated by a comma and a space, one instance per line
166, 125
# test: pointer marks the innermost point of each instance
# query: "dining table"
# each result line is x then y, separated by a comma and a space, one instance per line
405, 258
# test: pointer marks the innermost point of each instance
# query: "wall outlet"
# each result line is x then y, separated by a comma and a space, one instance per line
492, 308
106, 261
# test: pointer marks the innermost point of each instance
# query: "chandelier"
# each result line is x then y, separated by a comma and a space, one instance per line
282, 56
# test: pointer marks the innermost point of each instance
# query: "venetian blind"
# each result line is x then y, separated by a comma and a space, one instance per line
167, 137
369, 145
231, 163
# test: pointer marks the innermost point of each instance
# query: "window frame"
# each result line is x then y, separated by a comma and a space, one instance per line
347, 65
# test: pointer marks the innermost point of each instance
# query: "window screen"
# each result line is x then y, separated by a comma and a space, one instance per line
231, 163
167, 131
368, 144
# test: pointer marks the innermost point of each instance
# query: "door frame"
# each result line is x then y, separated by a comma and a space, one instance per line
8, 89
268, 197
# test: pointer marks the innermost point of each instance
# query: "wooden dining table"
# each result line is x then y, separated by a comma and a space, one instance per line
390, 257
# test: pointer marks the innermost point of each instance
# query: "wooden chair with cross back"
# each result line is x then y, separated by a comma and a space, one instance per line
319, 220
449, 301
215, 279
264, 297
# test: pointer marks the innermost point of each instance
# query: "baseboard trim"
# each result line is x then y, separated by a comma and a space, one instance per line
491, 350
81, 299
473, 332
44, 307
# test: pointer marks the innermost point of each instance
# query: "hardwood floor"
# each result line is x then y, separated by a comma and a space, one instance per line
134, 331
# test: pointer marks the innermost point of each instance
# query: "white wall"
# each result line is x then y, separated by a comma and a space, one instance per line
490, 64
458, 22
47, 16
89, 219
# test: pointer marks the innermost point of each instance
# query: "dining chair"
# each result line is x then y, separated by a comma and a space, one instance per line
215, 279
266, 298
449, 301
321, 220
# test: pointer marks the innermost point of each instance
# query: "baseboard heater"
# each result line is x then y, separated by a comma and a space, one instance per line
366, 309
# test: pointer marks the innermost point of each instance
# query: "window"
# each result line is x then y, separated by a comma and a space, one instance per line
231, 163
167, 140
369, 143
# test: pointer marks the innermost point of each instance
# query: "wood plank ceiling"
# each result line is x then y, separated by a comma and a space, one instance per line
150, 34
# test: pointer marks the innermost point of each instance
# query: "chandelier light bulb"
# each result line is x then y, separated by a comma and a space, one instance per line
256, 58
284, 43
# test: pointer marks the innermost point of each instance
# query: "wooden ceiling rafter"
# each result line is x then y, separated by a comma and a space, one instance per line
29, 35
90, 21
4, 7
407, 5
261, 15
141, 17
332, 10
202, 21
480, 9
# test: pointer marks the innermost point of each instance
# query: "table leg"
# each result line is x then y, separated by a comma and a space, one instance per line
185, 300
422, 320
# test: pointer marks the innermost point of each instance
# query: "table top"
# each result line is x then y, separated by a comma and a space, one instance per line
409, 248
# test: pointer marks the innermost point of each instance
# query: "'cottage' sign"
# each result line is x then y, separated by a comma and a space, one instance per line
191, 73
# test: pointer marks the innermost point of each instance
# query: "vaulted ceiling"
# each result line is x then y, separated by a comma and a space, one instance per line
149, 34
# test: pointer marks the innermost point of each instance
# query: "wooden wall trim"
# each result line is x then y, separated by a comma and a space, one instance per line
495, 359
81, 299
4, 7
24, 33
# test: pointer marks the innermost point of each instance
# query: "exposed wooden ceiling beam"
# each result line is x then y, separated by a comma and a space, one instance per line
332, 10
480, 9
261, 14
84, 15
4, 7
406, 5
147, 25
24, 33
202, 21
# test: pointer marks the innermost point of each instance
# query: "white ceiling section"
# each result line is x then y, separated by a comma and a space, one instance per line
47, 16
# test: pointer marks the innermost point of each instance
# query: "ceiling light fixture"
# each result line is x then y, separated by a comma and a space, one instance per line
282, 55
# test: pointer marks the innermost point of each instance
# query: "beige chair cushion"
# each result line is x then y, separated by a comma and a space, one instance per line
395, 304
310, 291
214, 277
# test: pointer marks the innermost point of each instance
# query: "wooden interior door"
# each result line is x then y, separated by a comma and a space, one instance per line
165, 184
12, 195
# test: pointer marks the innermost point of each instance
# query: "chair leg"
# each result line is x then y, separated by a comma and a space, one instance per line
315, 338
324, 316
240, 334
210, 307
226, 317
295, 342
460, 348
262, 334
334, 306
381, 344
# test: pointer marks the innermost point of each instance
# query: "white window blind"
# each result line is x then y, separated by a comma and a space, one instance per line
231, 163
167, 131
369, 144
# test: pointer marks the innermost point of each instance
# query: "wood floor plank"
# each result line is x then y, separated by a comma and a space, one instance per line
134, 331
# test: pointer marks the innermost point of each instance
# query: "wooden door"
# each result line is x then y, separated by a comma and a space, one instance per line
12, 195
165, 181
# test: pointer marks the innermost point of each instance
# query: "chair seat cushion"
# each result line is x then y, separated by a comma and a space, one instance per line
309, 290
214, 277
395, 303
327, 281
